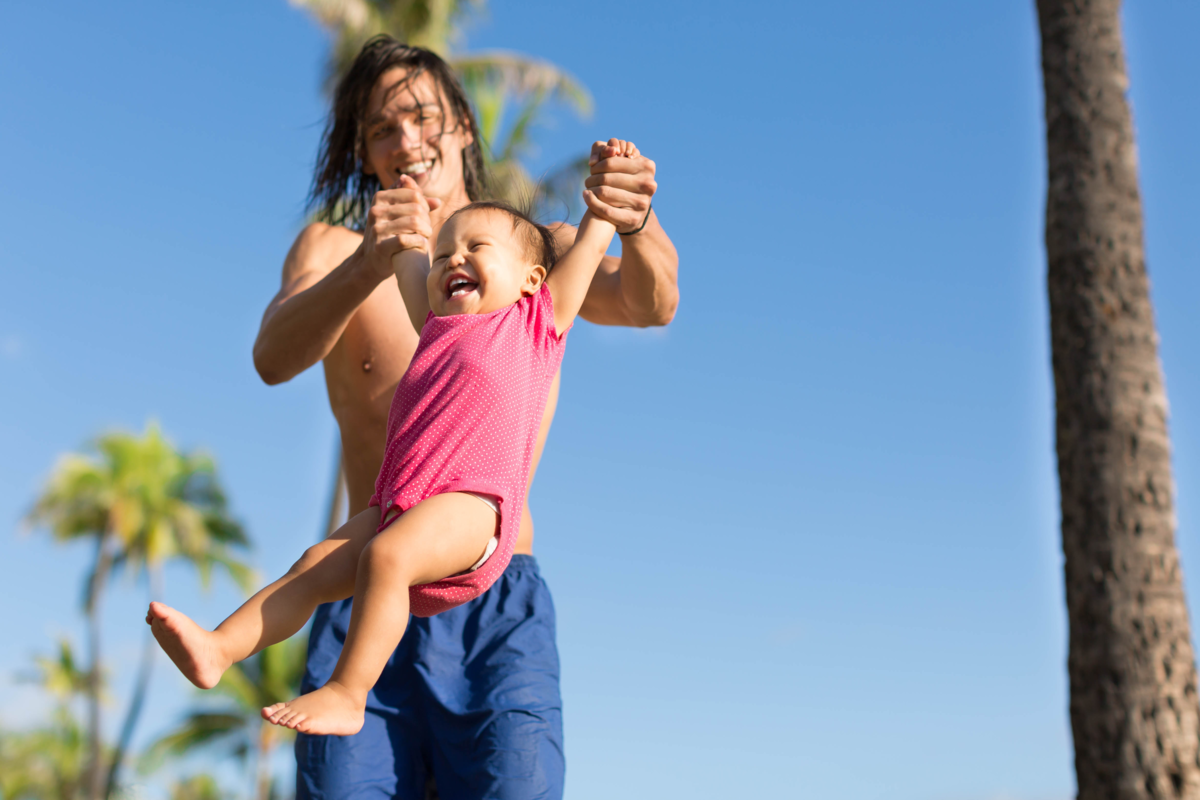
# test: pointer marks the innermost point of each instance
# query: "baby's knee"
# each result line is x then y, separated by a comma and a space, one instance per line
313, 556
383, 554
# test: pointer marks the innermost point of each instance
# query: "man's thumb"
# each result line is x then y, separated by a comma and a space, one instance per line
434, 203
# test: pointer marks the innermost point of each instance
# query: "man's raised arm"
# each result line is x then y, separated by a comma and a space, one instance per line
327, 275
641, 288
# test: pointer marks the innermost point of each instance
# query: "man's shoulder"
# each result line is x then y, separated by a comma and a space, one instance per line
321, 247
564, 235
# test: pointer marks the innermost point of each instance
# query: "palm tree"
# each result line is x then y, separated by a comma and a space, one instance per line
198, 787
48, 763
142, 503
1134, 711
236, 725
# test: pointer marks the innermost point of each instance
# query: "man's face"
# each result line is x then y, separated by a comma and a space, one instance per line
410, 129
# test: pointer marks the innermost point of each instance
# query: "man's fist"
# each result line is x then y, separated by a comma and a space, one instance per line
621, 184
398, 220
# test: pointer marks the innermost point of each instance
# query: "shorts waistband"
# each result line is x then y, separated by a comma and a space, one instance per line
522, 562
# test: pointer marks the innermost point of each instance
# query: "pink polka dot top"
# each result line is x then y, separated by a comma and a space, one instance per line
465, 418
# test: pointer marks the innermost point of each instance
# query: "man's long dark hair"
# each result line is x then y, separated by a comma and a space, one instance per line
341, 192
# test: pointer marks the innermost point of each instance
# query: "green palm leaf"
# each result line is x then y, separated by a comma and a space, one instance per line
230, 723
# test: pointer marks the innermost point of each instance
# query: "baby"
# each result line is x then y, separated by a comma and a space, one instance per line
493, 310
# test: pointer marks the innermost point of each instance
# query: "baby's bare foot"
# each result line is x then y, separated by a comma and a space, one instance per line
191, 647
331, 710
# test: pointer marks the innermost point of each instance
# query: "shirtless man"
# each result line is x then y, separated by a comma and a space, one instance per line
471, 696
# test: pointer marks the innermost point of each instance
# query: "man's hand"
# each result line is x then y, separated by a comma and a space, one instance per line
398, 220
621, 184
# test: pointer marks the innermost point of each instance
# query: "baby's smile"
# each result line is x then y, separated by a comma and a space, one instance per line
459, 285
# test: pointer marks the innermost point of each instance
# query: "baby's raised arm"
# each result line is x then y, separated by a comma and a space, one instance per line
412, 263
571, 277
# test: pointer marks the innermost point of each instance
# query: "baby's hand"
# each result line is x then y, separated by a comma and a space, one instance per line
621, 185
613, 148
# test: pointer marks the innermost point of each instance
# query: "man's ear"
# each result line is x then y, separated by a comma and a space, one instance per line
533, 280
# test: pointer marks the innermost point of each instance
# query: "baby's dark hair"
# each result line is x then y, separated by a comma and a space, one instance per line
540, 246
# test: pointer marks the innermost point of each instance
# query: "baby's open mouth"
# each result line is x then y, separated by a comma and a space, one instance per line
460, 286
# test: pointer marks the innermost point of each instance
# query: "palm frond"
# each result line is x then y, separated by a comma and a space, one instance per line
521, 76
199, 729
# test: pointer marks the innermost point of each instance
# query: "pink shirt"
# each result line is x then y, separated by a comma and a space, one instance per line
465, 418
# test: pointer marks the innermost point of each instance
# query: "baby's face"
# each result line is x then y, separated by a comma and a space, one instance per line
479, 265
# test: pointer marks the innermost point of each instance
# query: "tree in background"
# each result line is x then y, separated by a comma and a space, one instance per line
198, 787
1134, 712
48, 763
236, 725
142, 503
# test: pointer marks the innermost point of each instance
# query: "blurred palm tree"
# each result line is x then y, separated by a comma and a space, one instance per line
48, 763
496, 81
198, 787
142, 503
235, 725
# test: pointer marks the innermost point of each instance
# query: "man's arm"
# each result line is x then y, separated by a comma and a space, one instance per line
641, 288
323, 285
327, 275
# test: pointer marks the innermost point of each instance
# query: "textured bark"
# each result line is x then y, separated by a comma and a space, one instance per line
1134, 712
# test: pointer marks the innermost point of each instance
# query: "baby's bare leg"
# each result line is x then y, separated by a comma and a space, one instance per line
324, 573
440, 537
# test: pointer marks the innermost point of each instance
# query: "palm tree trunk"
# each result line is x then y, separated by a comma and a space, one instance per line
94, 775
266, 744
1134, 711
141, 685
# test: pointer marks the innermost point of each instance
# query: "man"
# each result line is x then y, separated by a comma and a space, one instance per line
471, 696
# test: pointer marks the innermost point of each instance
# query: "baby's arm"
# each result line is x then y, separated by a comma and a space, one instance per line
412, 271
572, 275
411, 264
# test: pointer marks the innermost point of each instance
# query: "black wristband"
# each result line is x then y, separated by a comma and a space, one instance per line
639, 228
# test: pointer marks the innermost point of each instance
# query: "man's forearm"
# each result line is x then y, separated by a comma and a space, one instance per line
649, 275
300, 330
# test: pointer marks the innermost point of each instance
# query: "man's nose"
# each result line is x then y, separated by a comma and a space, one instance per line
408, 136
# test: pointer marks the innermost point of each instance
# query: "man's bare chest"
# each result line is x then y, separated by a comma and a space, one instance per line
373, 352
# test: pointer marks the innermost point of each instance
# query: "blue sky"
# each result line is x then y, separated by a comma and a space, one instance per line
803, 542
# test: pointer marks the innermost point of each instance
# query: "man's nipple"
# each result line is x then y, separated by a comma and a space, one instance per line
366, 365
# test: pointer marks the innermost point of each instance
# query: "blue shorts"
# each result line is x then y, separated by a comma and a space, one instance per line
470, 697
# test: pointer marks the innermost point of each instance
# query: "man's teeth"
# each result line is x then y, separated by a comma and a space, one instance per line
417, 169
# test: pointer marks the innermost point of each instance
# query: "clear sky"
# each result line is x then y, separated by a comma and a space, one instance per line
803, 542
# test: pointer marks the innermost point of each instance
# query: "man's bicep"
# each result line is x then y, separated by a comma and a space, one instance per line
604, 303
317, 251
